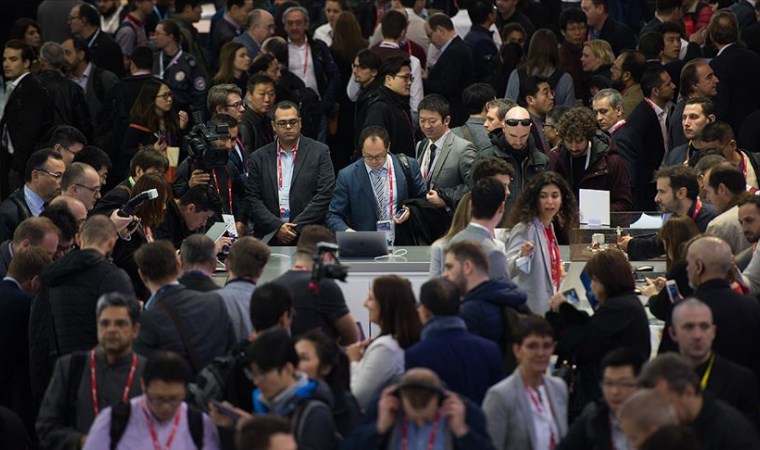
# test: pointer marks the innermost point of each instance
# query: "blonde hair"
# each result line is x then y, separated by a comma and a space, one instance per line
602, 50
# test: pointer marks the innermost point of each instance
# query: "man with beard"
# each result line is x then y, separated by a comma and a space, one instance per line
626, 71
749, 218
111, 14
696, 114
518, 149
101, 377
697, 80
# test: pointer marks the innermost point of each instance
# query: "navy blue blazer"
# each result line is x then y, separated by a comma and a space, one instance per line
353, 203
467, 363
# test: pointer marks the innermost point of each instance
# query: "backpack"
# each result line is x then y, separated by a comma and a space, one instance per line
216, 379
311, 111
120, 418
298, 421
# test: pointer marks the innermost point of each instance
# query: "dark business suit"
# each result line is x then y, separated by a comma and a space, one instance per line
745, 14
28, 116
354, 204
310, 189
451, 170
641, 145
450, 76
107, 54
619, 36
732, 383
738, 70
5, 257
15, 392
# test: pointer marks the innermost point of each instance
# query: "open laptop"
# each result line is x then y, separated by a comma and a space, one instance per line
361, 244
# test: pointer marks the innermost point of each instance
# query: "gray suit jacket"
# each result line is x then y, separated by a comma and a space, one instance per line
497, 261
509, 415
451, 171
535, 280
727, 227
310, 189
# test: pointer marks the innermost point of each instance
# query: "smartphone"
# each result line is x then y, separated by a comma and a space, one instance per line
400, 213
572, 296
592, 300
225, 410
673, 292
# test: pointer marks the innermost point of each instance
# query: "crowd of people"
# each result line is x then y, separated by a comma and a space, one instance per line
126, 134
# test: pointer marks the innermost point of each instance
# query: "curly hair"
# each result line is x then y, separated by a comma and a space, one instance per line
526, 206
577, 123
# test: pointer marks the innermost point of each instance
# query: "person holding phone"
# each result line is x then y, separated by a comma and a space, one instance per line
419, 409
620, 321
533, 258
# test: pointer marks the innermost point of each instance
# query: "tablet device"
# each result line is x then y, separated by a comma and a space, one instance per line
216, 231
361, 244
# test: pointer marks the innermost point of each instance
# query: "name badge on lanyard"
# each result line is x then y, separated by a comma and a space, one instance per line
283, 193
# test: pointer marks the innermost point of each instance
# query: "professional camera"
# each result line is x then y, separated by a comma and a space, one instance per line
199, 145
333, 270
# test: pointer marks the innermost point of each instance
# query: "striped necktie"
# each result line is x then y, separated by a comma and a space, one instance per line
378, 185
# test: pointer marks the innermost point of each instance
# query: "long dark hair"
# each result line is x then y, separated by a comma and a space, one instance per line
525, 208
398, 310
347, 36
675, 233
330, 355
151, 212
227, 58
145, 107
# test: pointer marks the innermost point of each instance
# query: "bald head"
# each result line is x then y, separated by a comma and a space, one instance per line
77, 208
422, 376
643, 413
518, 112
517, 127
708, 258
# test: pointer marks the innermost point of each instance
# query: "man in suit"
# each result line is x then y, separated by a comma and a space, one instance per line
745, 13
259, 28
445, 159
694, 331
228, 28
373, 188
697, 79
737, 316
194, 324
198, 253
467, 363
602, 26
16, 291
452, 73
84, 21
27, 115
642, 140
43, 174
290, 181
487, 199
725, 186
737, 68
32, 232
696, 114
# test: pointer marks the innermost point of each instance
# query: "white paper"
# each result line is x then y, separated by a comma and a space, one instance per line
594, 207
648, 222
229, 219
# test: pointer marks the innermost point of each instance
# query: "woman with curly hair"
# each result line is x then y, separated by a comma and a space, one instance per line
587, 158
533, 258
28, 31
234, 63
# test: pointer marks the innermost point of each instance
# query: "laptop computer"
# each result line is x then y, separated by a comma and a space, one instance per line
361, 244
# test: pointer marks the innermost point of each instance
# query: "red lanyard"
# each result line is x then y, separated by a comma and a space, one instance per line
229, 186
553, 255
94, 381
431, 437
306, 60
536, 400
279, 163
743, 164
615, 127
697, 208
301, 268
152, 429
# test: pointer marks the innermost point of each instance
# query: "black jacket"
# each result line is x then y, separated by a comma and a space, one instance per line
618, 35
738, 95
5, 257
661, 307
15, 392
738, 319
366, 96
69, 106
590, 431
114, 199
62, 317
198, 282
255, 130
173, 227
650, 246
718, 426
13, 210
391, 111
106, 53
734, 384
450, 75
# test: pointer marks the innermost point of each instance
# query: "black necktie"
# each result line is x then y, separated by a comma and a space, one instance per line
430, 161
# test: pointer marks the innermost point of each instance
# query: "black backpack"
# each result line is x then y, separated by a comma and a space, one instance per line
120, 418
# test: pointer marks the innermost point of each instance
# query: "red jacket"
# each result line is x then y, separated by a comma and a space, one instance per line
606, 171
700, 18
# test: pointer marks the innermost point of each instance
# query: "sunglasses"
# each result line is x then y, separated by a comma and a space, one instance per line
515, 122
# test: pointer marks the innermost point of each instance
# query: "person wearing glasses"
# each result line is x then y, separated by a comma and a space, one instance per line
81, 182
43, 174
84, 22
514, 145
64, 419
290, 181
528, 409
373, 189
159, 418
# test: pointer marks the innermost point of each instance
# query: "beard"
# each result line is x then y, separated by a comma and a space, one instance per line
618, 85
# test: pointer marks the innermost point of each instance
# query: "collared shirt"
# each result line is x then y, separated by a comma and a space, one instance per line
418, 437
138, 435
386, 184
11, 279
662, 117
82, 80
152, 300
324, 33
477, 225
35, 203
619, 441
721, 50
543, 419
300, 58
288, 163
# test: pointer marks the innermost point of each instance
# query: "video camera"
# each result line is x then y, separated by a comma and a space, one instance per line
199, 145
334, 270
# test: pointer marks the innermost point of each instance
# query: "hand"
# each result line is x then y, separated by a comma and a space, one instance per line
387, 408
623, 242
698, 37
526, 249
562, 272
122, 223
557, 300
221, 420
287, 233
221, 243
355, 351
83, 440
184, 119
404, 217
161, 146
455, 410
240, 228
649, 289
198, 177
433, 198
